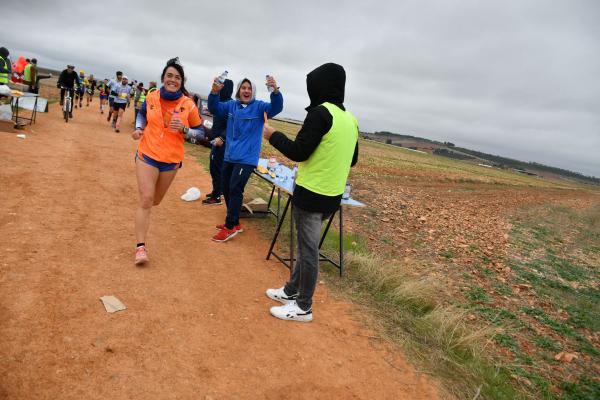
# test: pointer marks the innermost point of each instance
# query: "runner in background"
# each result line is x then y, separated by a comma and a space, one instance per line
122, 93
111, 94
140, 98
80, 90
163, 121
151, 87
90, 90
103, 89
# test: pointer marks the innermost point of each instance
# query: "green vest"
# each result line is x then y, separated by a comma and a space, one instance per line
27, 73
151, 90
141, 99
326, 170
4, 75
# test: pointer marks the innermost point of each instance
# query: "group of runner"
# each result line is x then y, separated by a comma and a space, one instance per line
114, 94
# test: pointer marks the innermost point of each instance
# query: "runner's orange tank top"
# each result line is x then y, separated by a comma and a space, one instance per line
159, 141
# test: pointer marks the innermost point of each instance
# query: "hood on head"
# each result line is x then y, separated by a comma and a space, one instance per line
227, 91
4, 52
326, 84
239, 85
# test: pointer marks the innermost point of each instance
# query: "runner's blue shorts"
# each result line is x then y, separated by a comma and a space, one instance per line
161, 166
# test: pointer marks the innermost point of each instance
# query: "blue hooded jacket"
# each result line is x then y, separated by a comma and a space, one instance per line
244, 123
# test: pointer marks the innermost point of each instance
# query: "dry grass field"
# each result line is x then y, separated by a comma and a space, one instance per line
487, 278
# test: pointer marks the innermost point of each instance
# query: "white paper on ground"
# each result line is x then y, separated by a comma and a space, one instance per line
21, 135
112, 304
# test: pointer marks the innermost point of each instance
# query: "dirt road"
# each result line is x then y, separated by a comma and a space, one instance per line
197, 324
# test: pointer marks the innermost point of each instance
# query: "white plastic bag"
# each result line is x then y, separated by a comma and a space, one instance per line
192, 194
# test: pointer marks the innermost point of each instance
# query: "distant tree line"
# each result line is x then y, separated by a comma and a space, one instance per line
499, 161
505, 162
452, 154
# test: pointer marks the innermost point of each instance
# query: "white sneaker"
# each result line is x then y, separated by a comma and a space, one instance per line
280, 296
292, 312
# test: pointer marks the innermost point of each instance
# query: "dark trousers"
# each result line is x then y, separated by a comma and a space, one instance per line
234, 179
306, 269
216, 165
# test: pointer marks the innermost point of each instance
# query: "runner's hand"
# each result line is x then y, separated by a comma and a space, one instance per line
137, 134
176, 125
218, 142
216, 86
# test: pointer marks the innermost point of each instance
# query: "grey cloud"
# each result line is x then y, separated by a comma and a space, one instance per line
516, 78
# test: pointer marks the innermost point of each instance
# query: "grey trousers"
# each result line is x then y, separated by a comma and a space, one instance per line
306, 268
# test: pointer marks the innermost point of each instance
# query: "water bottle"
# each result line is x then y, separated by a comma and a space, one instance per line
222, 77
269, 88
175, 117
346, 194
272, 163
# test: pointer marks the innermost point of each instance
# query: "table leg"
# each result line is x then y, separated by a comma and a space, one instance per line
271, 200
35, 109
291, 240
278, 228
278, 203
341, 240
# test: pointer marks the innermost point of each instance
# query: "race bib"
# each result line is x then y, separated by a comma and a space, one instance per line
123, 95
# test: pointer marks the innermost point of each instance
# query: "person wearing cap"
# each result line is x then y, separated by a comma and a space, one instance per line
68, 80
122, 92
111, 94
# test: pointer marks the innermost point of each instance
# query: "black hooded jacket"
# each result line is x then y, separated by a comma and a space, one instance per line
219, 127
324, 84
68, 79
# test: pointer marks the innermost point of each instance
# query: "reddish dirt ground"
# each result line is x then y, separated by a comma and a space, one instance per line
197, 324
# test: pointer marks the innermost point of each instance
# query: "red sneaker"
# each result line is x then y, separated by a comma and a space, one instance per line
224, 235
141, 255
239, 228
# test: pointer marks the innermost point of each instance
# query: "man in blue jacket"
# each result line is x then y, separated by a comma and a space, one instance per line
217, 152
245, 120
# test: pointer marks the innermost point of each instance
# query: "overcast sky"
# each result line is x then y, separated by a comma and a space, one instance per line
516, 78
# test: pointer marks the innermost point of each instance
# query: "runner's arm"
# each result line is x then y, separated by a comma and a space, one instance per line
141, 121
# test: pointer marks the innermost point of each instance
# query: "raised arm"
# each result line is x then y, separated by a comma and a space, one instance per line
215, 106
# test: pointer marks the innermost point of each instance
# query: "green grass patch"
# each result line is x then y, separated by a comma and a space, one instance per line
477, 294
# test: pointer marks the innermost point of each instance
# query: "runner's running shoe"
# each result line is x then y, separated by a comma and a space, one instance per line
141, 255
